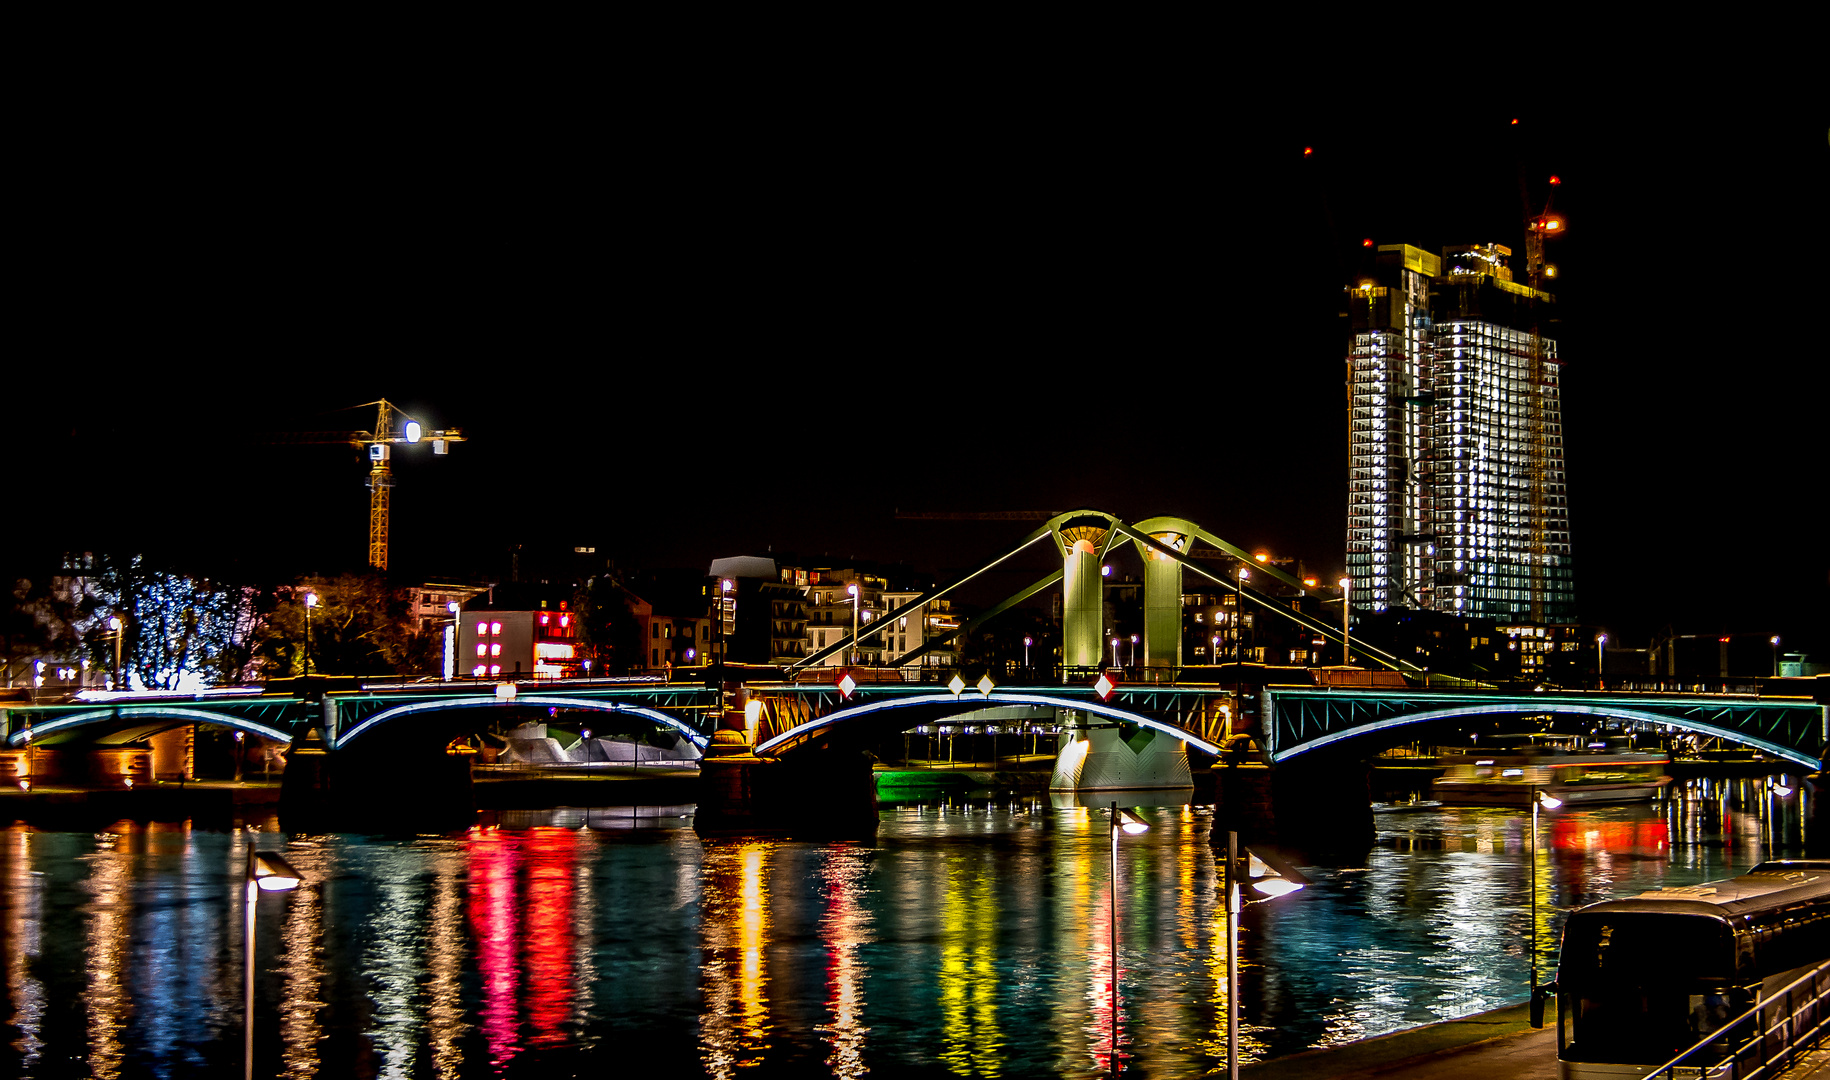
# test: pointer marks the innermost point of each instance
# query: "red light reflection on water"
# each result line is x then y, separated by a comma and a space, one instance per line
522, 888
548, 931
494, 857
1578, 834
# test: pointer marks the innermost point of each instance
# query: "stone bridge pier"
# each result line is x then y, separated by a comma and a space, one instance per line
383, 785
820, 792
1323, 804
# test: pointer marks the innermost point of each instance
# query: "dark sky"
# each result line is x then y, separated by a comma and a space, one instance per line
689, 324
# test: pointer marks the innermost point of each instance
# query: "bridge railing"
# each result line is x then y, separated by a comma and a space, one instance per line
1763, 1042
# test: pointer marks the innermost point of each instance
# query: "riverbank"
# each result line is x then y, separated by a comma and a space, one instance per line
1497, 1045
56, 805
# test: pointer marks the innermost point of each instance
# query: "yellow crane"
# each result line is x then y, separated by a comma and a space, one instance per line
392, 428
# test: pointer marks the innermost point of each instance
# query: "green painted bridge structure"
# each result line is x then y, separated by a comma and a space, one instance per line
1294, 720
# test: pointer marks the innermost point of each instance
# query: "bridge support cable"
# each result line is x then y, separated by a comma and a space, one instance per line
845, 642
1321, 629
968, 625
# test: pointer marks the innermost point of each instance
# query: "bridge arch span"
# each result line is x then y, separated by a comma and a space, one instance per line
139, 721
1610, 711
894, 712
371, 722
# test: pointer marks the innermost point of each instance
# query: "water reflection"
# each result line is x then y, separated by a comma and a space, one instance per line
734, 1031
972, 939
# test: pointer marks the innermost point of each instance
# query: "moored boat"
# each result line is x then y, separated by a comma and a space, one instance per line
1507, 778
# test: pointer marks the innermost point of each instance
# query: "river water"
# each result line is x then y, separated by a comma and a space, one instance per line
971, 939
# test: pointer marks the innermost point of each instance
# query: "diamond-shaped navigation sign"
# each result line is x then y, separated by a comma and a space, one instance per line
847, 685
1104, 687
985, 684
956, 684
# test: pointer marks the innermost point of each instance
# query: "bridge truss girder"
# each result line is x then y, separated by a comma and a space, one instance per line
796, 714
1301, 720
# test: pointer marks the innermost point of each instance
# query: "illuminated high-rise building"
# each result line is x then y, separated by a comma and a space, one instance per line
1456, 493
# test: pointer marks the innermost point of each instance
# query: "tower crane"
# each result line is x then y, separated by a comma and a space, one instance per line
392, 428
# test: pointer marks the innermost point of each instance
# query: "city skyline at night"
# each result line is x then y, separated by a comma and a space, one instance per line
794, 388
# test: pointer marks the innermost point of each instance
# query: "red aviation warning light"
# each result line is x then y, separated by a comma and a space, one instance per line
1554, 180
1308, 151
1366, 242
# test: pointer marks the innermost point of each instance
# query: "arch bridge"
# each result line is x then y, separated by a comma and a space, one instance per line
1301, 720
340, 718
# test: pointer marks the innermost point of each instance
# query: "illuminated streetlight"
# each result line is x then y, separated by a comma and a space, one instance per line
1346, 652
1601, 663
266, 873
1775, 643
1114, 652
1133, 650
1131, 825
1239, 615
1548, 802
1269, 876
855, 598
1027, 642
114, 626
311, 601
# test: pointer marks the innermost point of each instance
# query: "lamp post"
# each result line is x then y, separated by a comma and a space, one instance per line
1114, 652
1132, 825
1239, 615
266, 873
1548, 802
856, 596
1601, 664
1774, 641
311, 601
1215, 642
1278, 879
114, 627
1346, 653
1133, 650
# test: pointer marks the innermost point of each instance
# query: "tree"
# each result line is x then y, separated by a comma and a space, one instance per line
178, 631
37, 622
358, 627
608, 629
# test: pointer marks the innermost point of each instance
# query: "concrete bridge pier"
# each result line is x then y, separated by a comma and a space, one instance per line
368, 791
828, 794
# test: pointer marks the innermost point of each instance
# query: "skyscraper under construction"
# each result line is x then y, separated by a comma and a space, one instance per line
1456, 499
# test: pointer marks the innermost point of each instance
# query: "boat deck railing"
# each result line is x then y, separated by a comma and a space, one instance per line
1763, 1042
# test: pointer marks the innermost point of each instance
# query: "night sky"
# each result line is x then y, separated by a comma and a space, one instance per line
725, 323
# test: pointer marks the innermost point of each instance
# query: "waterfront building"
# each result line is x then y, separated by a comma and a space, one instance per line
1456, 488
494, 642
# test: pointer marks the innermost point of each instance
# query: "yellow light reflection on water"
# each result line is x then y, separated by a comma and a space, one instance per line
846, 926
971, 1043
445, 968
734, 1032
302, 965
23, 930
107, 934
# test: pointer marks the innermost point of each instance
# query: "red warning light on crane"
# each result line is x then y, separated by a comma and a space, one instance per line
1366, 242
